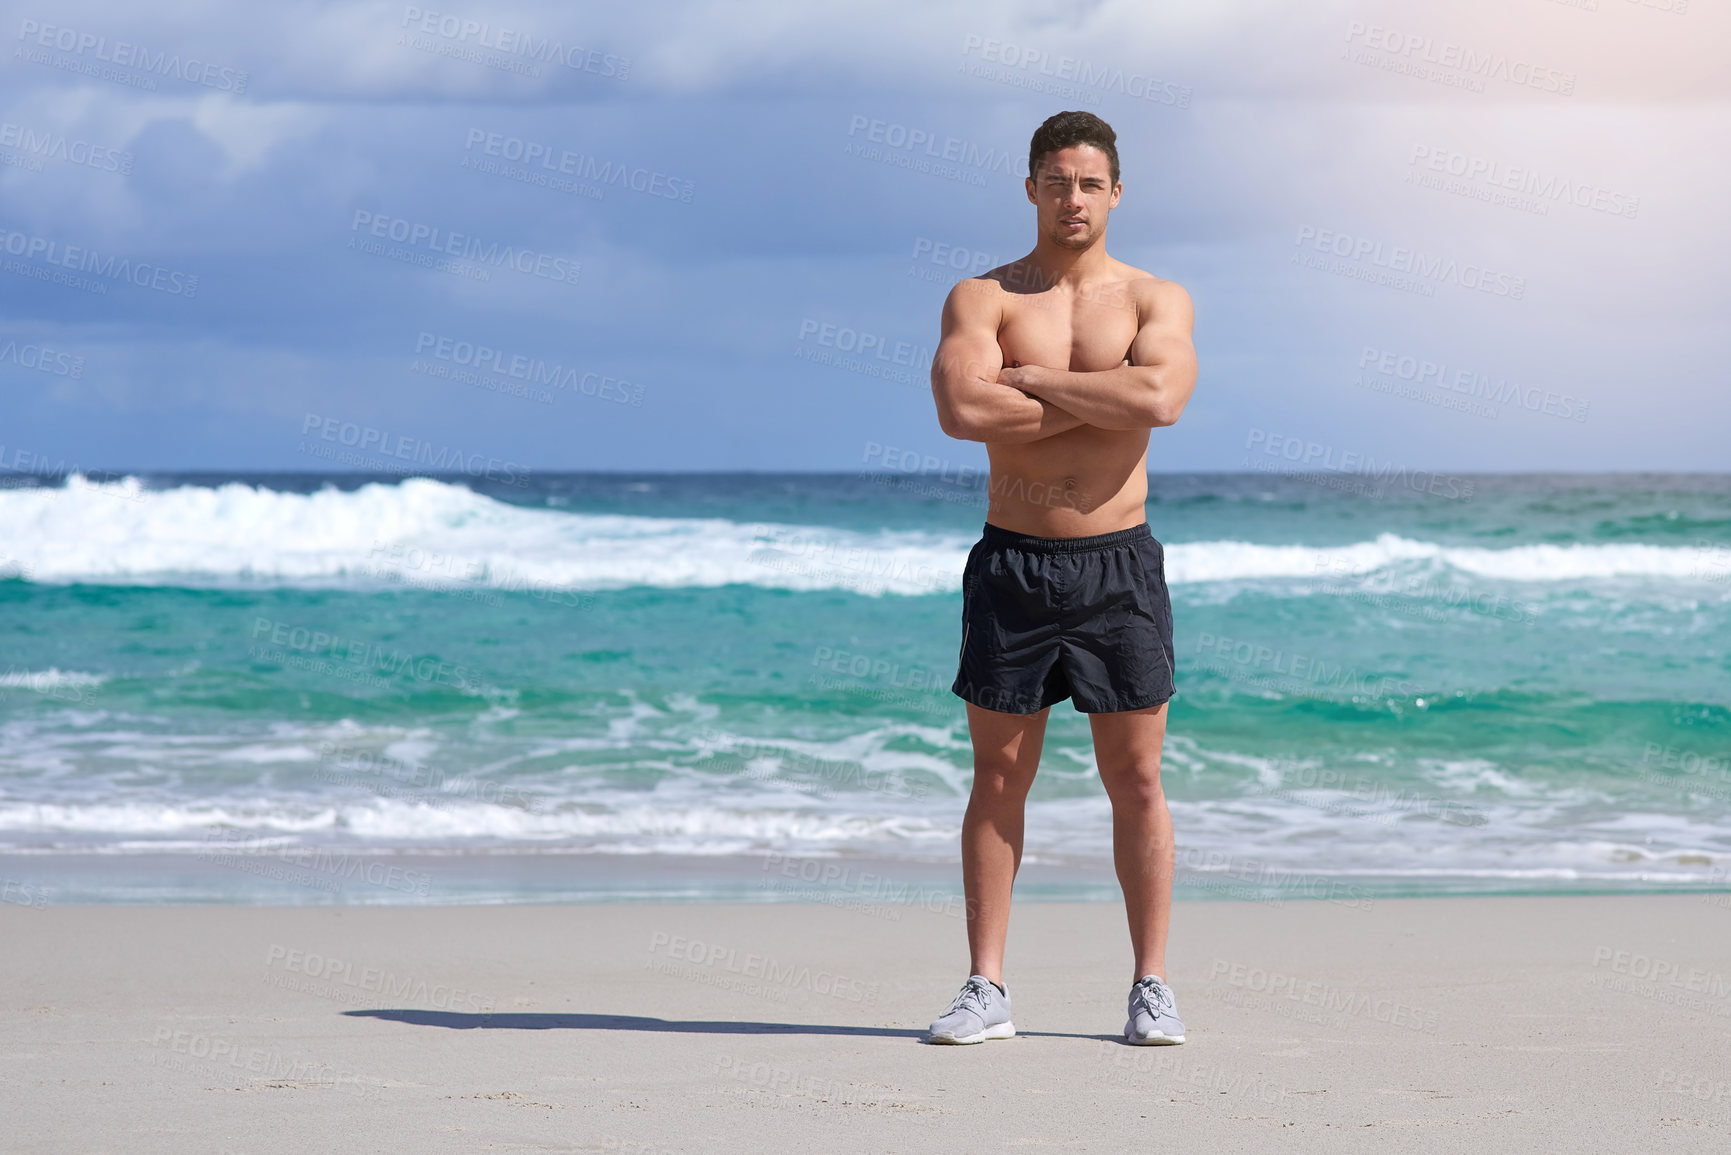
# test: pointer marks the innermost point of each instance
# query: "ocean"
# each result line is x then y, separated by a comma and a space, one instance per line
302, 683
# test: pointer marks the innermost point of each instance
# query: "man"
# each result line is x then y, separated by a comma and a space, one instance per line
1061, 363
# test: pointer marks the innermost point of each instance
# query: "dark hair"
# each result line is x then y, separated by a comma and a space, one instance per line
1068, 129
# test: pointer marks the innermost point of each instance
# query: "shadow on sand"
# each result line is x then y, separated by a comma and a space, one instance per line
514, 1021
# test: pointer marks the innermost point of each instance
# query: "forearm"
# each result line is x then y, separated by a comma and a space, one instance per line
1007, 416
1128, 397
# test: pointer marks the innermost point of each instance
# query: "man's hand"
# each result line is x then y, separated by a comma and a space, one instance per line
1015, 374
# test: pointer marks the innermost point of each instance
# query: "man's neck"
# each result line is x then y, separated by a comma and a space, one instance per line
1055, 266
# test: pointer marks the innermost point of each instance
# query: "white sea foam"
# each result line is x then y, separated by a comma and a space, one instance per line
422, 532
392, 823
1222, 840
1244, 822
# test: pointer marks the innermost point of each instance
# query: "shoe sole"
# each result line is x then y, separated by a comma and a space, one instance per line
1001, 1031
1154, 1040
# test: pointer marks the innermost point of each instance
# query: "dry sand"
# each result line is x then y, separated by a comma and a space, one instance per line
1448, 1024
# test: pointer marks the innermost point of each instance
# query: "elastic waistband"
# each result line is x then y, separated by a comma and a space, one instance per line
999, 537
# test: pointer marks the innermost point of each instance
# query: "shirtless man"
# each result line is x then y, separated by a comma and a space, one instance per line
1061, 363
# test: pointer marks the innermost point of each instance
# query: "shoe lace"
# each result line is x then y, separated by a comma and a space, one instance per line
973, 996
1154, 996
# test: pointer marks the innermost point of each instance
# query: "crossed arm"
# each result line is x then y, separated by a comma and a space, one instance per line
981, 400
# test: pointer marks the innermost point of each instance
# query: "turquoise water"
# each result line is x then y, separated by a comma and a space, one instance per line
1527, 689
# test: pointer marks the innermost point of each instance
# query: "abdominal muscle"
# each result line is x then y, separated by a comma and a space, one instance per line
1078, 483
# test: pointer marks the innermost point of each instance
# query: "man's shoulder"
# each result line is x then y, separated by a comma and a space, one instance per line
1155, 298
1147, 286
975, 296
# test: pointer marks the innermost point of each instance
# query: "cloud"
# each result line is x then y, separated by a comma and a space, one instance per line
1257, 140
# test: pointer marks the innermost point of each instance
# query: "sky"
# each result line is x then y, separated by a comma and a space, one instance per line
1485, 235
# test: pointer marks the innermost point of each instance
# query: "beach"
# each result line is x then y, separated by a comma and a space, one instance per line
1440, 1024
500, 634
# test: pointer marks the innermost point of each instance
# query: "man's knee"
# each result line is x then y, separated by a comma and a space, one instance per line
1001, 784
1137, 786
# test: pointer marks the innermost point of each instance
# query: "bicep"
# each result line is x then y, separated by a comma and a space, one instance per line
968, 351
1164, 338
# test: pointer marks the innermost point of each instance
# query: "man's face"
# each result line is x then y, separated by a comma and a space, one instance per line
1074, 194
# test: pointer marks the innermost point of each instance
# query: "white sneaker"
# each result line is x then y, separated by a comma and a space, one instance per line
980, 1012
1154, 1017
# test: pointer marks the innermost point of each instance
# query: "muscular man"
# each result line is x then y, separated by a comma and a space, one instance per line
1061, 363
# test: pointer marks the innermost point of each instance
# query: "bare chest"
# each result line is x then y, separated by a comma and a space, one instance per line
1083, 336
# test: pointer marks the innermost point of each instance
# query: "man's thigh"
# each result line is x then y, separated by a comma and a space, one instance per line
1006, 746
1127, 743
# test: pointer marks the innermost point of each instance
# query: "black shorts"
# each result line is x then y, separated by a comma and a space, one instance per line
1047, 618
